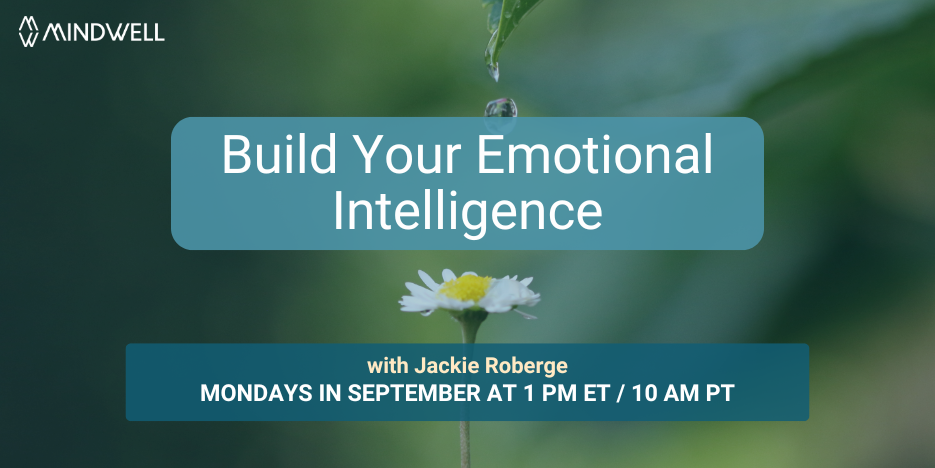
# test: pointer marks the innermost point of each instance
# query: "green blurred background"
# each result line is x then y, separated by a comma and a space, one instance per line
844, 91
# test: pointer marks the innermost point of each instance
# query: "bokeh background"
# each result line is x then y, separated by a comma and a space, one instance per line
844, 91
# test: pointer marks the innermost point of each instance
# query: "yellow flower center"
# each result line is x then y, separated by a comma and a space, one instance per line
466, 288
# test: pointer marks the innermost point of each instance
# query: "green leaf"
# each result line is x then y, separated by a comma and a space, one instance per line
504, 17
493, 19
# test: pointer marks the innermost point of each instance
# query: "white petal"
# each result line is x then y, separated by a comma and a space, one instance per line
414, 306
427, 313
428, 280
527, 316
445, 302
505, 294
448, 275
416, 289
425, 303
469, 273
425, 294
419, 302
526, 281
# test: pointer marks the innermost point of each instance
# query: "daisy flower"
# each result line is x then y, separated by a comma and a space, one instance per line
469, 292
469, 299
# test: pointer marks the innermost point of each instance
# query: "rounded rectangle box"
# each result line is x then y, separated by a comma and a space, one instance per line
556, 183
452, 382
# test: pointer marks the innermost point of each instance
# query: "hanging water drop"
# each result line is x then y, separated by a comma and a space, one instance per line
494, 71
504, 107
492, 66
495, 110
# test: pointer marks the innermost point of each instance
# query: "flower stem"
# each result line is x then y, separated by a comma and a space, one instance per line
465, 444
469, 329
470, 321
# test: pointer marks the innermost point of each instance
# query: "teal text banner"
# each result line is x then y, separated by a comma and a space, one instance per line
467, 183
450, 382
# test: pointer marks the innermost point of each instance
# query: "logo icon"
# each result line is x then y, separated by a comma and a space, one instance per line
32, 31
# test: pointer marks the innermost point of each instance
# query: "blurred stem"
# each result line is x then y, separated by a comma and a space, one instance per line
470, 321
465, 444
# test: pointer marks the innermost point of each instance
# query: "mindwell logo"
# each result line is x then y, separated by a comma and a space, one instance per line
32, 31
88, 32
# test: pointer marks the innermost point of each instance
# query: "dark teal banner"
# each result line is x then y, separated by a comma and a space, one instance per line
467, 183
488, 382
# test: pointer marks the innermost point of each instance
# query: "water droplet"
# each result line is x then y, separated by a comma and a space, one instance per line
504, 107
492, 66
495, 110
494, 71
